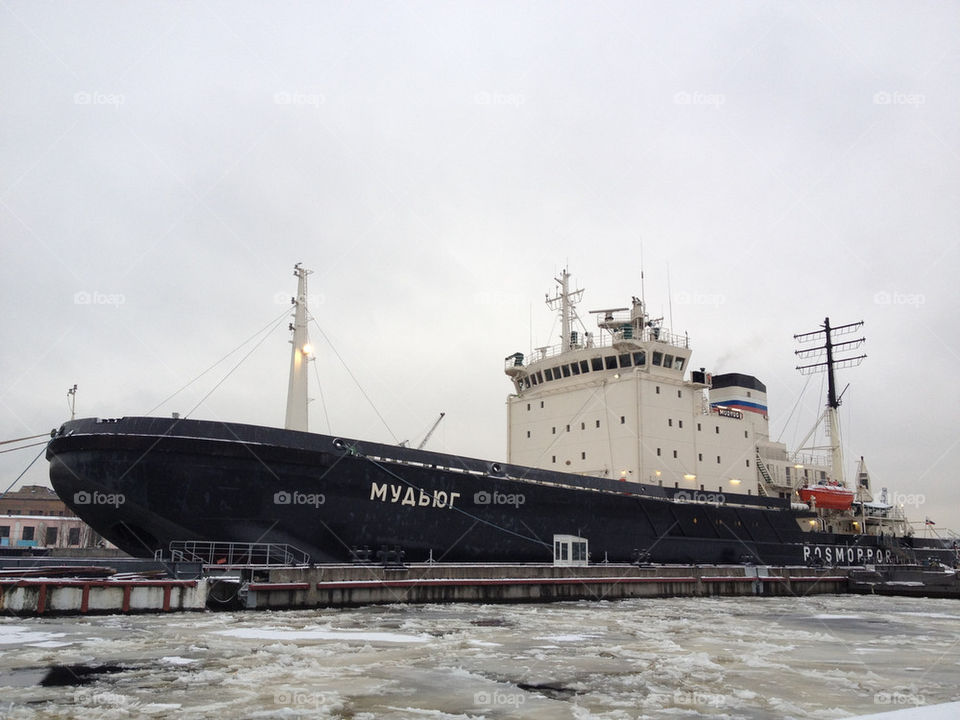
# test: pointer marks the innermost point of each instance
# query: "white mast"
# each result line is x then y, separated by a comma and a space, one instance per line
831, 362
297, 389
566, 302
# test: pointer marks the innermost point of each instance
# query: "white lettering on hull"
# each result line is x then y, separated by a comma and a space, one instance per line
412, 497
838, 554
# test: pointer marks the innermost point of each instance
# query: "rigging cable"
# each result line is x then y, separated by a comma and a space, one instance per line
23, 447
353, 377
323, 402
786, 422
242, 360
30, 437
39, 455
270, 325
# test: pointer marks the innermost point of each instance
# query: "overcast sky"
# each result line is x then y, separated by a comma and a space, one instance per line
163, 166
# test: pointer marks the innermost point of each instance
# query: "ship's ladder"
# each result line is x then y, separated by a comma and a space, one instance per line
764, 473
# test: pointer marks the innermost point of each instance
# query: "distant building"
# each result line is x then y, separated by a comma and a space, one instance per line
33, 500
34, 516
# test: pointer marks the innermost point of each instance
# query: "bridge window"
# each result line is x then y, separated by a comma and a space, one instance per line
611, 362
639, 358
658, 358
548, 373
668, 361
526, 383
566, 371
584, 366
556, 373
539, 379
596, 364
678, 363
575, 368
625, 360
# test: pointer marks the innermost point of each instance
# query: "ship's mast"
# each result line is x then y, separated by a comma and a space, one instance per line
566, 301
300, 355
829, 365
833, 405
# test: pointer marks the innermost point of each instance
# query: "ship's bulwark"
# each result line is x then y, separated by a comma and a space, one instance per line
144, 482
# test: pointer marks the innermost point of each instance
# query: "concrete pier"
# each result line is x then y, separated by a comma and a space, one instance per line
56, 590
351, 585
69, 596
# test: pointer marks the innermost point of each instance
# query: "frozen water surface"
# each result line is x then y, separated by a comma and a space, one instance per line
824, 657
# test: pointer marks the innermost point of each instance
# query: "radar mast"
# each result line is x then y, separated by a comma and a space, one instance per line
300, 355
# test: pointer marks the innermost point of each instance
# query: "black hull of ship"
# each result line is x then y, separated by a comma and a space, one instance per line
143, 483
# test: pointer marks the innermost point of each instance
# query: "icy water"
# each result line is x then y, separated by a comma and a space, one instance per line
820, 657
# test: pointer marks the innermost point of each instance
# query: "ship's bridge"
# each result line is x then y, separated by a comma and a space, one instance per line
625, 346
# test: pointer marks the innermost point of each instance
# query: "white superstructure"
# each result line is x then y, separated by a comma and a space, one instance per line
622, 402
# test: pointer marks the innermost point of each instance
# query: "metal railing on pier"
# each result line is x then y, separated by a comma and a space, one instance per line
235, 553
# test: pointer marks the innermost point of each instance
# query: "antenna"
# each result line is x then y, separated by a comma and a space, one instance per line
643, 287
828, 365
301, 354
72, 401
566, 302
669, 297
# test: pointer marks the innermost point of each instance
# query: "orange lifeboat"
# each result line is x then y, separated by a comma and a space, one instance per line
827, 497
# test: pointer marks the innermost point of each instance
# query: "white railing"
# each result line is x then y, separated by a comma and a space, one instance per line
607, 340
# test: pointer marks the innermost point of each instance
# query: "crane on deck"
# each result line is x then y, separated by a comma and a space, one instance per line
426, 437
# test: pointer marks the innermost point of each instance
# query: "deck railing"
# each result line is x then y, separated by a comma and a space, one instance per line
237, 553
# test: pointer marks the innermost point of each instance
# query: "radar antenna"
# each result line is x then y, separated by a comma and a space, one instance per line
828, 365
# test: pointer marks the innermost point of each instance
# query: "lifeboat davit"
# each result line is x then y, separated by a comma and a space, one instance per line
827, 497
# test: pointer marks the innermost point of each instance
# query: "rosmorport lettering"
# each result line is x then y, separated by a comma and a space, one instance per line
412, 497
285, 497
843, 554
496, 498
98, 498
